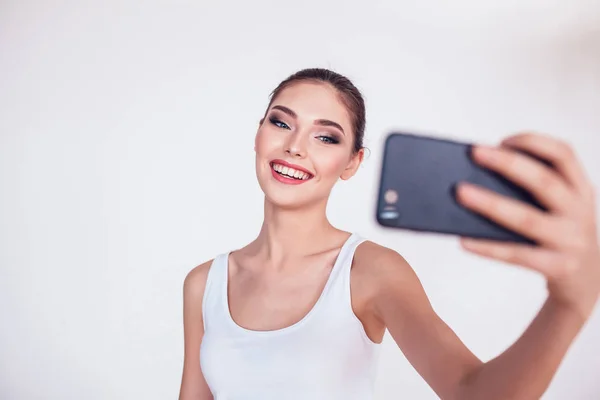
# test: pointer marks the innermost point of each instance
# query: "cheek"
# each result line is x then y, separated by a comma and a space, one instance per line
266, 142
332, 165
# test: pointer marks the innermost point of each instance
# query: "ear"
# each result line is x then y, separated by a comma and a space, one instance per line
353, 165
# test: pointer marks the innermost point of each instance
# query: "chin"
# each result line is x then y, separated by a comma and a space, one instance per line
280, 197
286, 203
288, 196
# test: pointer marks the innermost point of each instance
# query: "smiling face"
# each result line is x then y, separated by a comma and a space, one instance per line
304, 145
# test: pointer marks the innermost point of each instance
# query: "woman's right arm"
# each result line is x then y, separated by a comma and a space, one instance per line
193, 384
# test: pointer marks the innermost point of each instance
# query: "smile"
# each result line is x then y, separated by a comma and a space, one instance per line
285, 173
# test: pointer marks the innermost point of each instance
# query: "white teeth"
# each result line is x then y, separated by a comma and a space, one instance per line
291, 172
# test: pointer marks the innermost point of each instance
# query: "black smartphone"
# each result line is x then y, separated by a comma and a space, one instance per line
417, 188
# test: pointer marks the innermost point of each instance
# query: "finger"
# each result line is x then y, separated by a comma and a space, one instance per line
512, 214
551, 190
551, 264
560, 154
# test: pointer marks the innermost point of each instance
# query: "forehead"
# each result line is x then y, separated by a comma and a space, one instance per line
314, 100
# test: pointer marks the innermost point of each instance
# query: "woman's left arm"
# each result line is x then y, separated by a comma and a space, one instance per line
568, 256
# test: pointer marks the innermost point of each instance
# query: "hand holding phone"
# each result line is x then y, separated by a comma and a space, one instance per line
418, 189
557, 212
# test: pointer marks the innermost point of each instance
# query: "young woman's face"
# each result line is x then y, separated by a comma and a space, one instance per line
304, 145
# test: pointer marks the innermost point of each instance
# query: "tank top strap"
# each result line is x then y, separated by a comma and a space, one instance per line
340, 285
214, 291
346, 256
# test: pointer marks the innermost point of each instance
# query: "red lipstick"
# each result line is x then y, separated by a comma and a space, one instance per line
288, 180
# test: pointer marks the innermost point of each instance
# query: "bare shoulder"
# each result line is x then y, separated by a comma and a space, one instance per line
193, 384
380, 263
385, 277
195, 281
398, 302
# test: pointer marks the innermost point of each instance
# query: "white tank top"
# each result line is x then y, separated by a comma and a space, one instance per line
325, 356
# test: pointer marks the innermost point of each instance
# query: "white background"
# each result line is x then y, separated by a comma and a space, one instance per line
126, 136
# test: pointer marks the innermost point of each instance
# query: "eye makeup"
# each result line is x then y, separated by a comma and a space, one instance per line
329, 136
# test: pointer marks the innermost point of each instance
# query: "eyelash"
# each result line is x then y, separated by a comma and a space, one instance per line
276, 122
324, 139
329, 139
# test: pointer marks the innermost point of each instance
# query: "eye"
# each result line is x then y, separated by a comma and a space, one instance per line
278, 123
328, 139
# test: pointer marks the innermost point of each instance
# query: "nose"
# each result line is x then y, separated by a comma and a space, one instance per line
295, 146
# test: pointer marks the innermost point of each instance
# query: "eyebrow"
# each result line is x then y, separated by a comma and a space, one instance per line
322, 122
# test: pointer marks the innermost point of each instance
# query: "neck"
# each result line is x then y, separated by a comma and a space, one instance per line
289, 233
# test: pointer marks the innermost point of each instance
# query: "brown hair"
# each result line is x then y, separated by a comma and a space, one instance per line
350, 96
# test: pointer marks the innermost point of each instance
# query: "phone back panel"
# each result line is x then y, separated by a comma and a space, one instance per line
417, 188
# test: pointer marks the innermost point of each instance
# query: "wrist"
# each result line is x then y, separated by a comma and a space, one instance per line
576, 312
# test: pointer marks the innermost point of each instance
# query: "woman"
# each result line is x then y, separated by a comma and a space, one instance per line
300, 312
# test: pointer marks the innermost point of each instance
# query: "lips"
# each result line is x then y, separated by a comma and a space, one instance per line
288, 173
